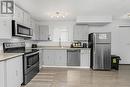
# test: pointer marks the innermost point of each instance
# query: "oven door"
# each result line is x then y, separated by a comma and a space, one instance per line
30, 61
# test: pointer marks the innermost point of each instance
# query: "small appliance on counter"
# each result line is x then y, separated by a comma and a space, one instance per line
76, 45
34, 45
79, 44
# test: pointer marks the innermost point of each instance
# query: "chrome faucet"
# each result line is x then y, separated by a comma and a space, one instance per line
60, 42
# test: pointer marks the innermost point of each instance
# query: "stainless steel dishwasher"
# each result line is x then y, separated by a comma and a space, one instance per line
73, 57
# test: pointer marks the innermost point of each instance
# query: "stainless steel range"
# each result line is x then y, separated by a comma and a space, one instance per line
30, 59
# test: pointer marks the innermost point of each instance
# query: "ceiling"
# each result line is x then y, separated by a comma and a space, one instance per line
40, 9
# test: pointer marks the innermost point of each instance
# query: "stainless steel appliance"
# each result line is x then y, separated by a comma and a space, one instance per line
100, 44
73, 57
30, 59
20, 30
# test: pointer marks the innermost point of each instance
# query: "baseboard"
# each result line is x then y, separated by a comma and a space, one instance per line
80, 67
124, 64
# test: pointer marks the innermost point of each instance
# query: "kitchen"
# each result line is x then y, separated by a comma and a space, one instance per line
57, 32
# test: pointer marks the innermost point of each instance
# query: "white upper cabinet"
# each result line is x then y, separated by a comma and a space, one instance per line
94, 20
26, 19
80, 32
22, 17
2, 74
19, 15
5, 28
35, 28
44, 32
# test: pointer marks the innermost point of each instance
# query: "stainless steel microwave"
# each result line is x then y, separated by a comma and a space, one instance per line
20, 30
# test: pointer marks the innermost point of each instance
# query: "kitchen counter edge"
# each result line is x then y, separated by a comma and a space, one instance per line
59, 48
7, 56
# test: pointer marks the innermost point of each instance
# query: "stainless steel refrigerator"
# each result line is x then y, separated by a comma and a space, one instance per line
100, 44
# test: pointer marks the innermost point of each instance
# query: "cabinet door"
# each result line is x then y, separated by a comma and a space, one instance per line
26, 19
35, 31
80, 32
61, 58
19, 71
11, 72
85, 58
5, 28
19, 15
49, 57
40, 58
2, 74
44, 32
14, 71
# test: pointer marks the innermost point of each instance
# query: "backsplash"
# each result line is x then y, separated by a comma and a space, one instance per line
51, 43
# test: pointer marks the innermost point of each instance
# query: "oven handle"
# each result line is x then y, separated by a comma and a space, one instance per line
30, 54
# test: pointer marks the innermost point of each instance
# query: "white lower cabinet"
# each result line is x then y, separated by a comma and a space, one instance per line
55, 57
40, 58
2, 74
48, 57
61, 58
85, 58
14, 72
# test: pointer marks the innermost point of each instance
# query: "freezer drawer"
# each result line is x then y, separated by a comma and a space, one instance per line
73, 57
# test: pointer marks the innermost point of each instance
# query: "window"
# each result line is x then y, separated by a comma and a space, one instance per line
60, 33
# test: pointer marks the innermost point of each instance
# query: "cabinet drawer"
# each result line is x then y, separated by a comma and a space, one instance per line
85, 51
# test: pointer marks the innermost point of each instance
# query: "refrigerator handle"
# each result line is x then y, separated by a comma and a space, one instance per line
94, 43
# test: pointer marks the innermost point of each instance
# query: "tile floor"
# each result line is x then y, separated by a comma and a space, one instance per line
59, 77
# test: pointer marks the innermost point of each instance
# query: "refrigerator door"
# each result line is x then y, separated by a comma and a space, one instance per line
103, 37
101, 56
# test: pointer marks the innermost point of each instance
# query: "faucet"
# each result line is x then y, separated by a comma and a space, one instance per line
60, 42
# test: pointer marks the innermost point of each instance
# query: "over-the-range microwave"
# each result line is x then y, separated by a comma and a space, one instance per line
20, 30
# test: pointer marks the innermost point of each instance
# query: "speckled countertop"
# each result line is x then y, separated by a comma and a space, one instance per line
6, 56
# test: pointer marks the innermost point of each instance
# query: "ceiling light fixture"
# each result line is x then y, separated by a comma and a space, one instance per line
58, 15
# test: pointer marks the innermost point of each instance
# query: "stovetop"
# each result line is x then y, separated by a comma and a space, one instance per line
18, 47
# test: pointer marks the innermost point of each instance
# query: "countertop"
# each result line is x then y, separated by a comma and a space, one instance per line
57, 48
6, 56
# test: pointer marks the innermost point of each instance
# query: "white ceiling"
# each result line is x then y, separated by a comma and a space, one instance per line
40, 8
